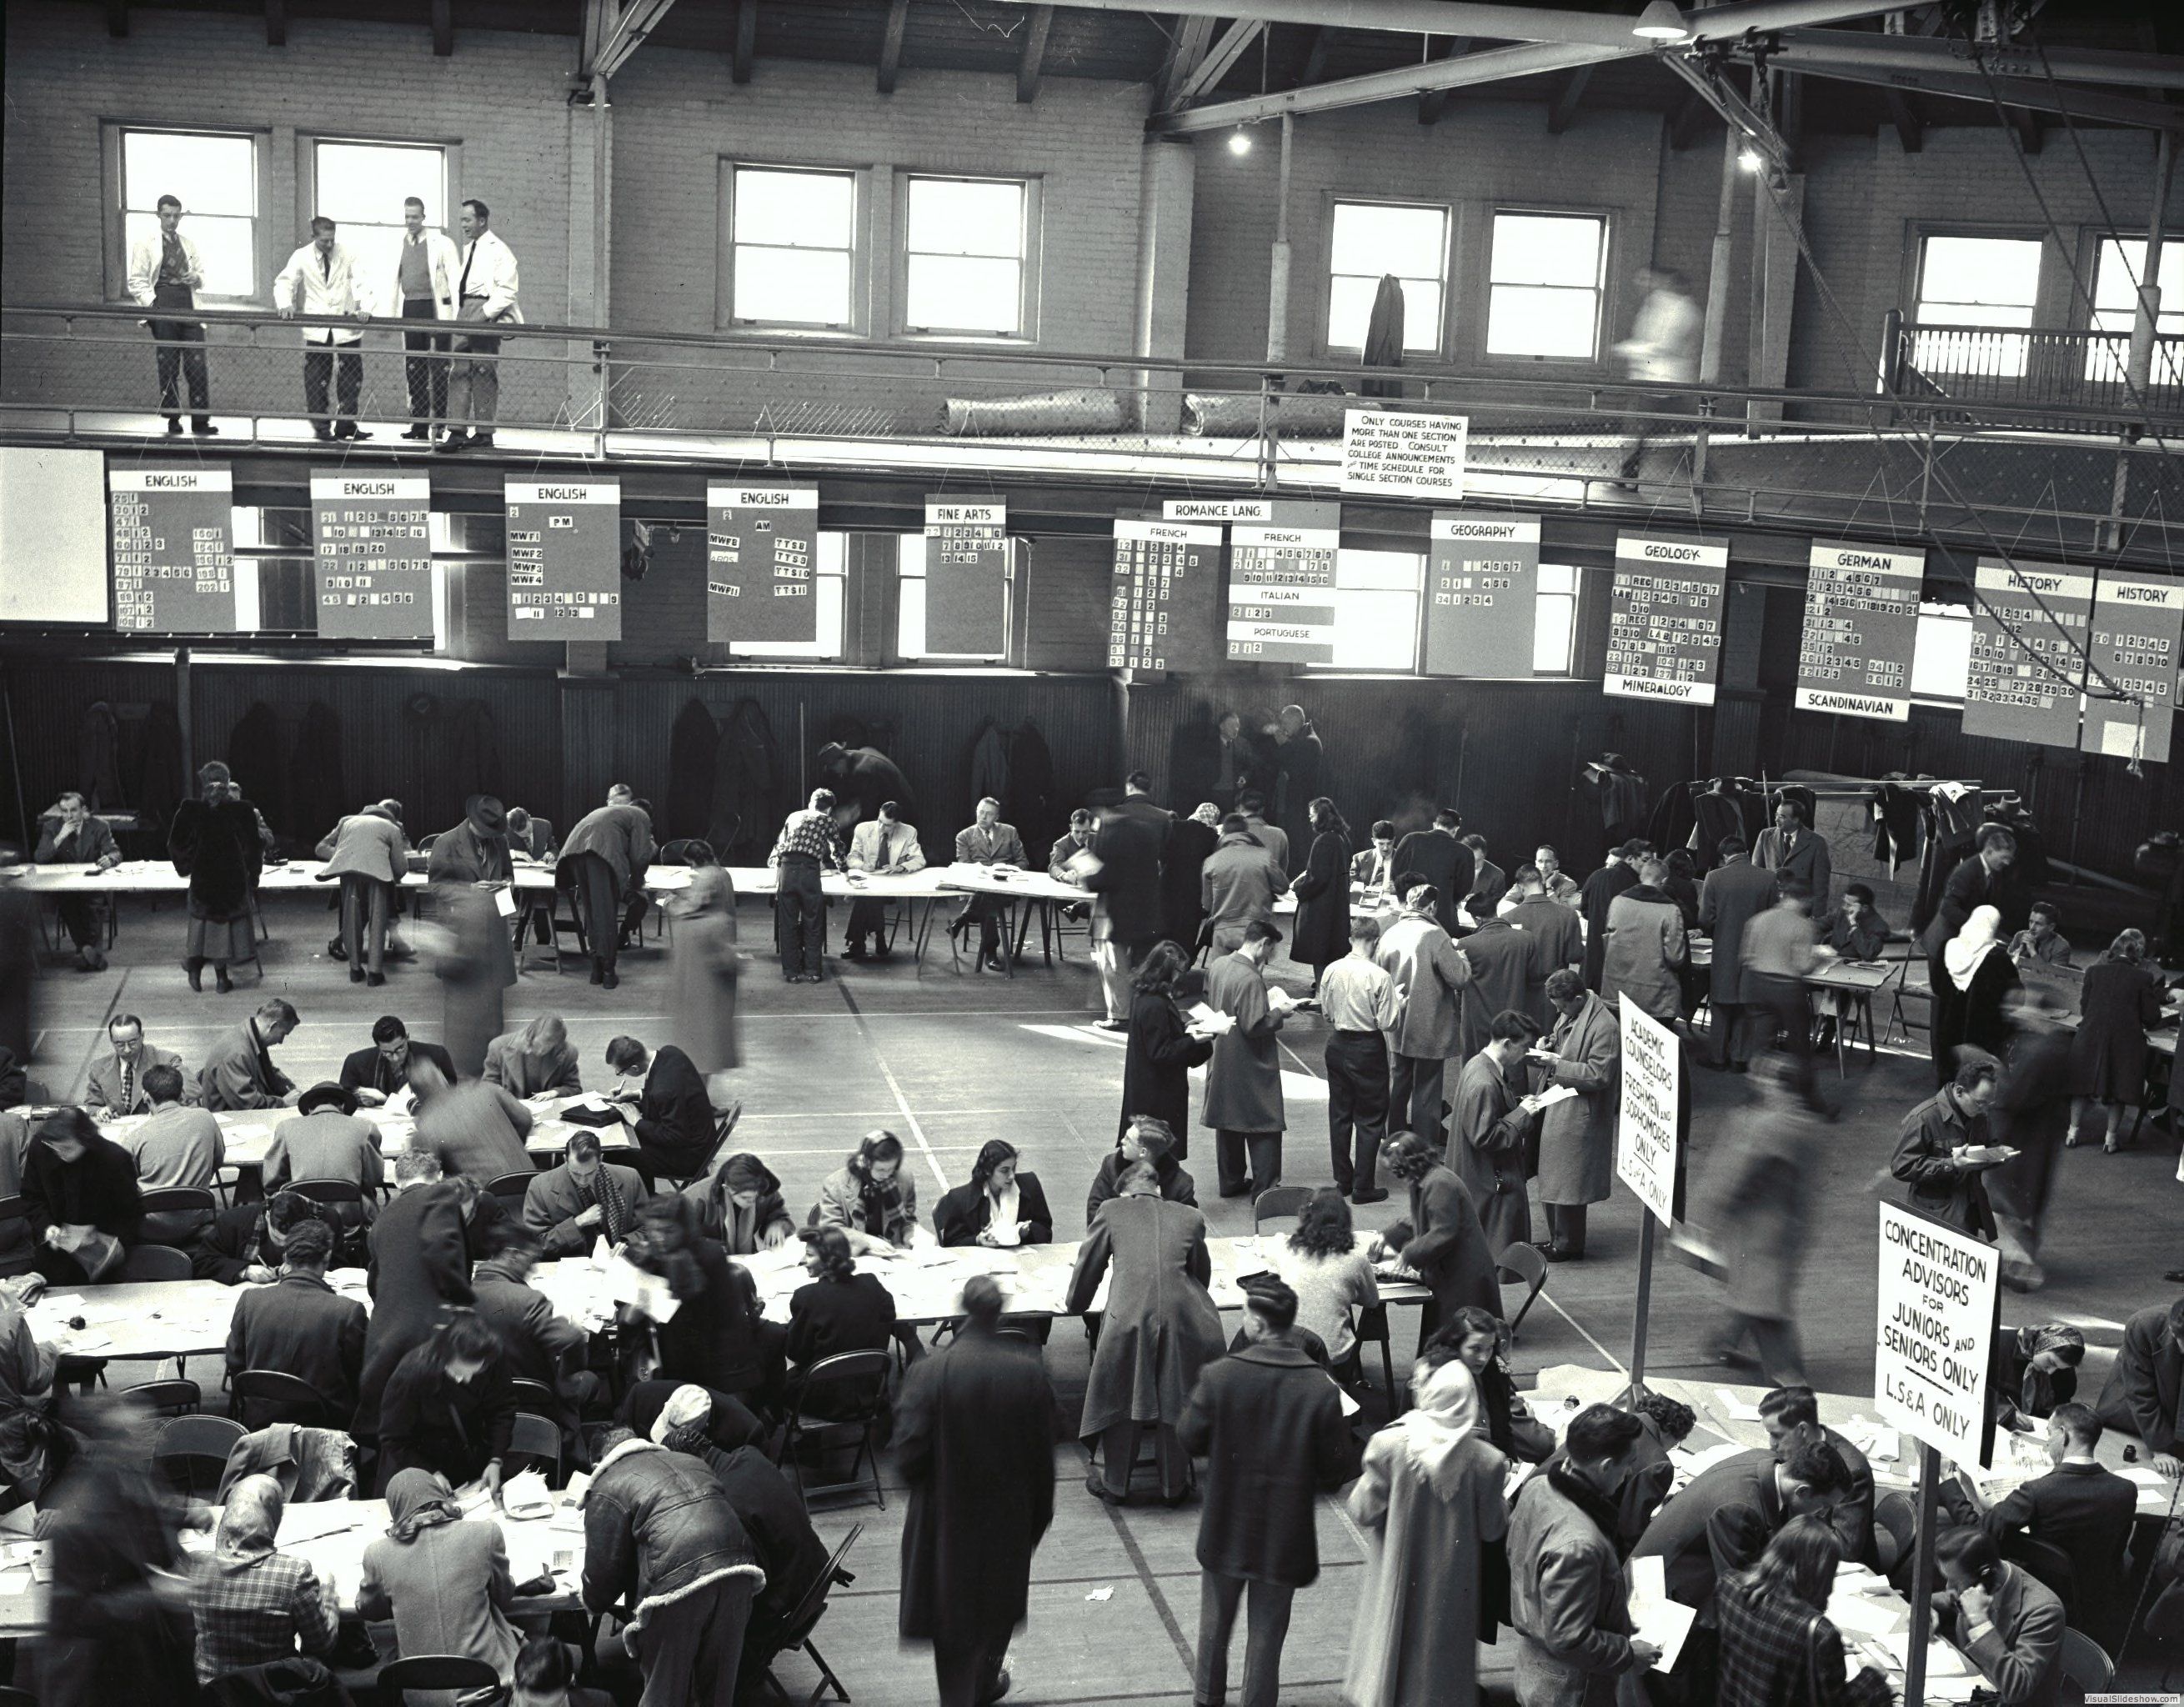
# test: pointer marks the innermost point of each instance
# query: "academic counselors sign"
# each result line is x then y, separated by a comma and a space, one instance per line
1934, 1330
1645, 1127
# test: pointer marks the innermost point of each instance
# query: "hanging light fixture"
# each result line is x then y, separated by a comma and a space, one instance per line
1662, 21
1240, 141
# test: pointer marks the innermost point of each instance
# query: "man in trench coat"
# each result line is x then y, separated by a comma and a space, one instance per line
1577, 1137
1244, 1080
1431, 976
1735, 894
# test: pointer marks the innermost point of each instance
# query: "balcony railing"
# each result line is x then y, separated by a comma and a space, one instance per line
1984, 366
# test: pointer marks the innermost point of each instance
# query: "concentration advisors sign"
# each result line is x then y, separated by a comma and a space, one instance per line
372, 575
1482, 594
1281, 585
967, 573
2137, 625
761, 545
1933, 1328
173, 555
564, 559
1645, 1123
1160, 607
1403, 453
1664, 622
1861, 628
2028, 652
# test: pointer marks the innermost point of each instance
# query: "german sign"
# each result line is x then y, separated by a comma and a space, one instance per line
170, 533
564, 559
1482, 594
1933, 1329
1645, 1122
1403, 453
761, 544
1861, 628
1664, 621
372, 573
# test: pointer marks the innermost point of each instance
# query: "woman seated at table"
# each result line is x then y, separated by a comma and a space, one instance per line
450, 1406
871, 1196
252, 1603
444, 1583
718, 1336
1322, 1263
840, 1310
742, 1206
2033, 1370
1855, 932
1776, 1642
1002, 1206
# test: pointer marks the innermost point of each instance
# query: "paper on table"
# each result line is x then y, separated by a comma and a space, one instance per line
1860, 1616
1699, 1463
1654, 1617
2140, 1474
526, 1496
1941, 1660
1736, 1409
626, 1283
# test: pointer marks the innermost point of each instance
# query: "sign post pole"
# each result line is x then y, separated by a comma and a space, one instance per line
1922, 1576
1646, 1137
1644, 1311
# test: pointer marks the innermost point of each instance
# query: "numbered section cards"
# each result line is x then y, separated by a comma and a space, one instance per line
2137, 627
1482, 594
966, 572
371, 571
564, 559
170, 530
1281, 585
1161, 607
1665, 623
761, 547
1861, 628
2028, 652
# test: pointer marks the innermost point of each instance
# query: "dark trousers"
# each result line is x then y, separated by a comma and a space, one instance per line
1414, 1084
968, 1672
1357, 1107
987, 910
1119, 1453
181, 354
800, 914
1775, 1339
690, 1646
867, 919
1266, 1627
1566, 1227
1264, 1150
340, 364
80, 919
365, 916
1732, 1038
427, 373
596, 892
474, 396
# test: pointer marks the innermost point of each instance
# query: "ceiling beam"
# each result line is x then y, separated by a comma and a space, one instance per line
1186, 52
117, 17
746, 47
1315, 55
1903, 114
1684, 120
1032, 56
1920, 54
276, 23
1434, 100
2081, 103
1562, 109
2026, 125
443, 29
898, 21
633, 21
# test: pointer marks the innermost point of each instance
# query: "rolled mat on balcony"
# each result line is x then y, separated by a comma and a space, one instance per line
1086, 409
1224, 414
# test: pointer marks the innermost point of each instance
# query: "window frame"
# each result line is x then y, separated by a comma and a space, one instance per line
1443, 334
860, 323
1028, 279
307, 185
1605, 218
2096, 366
112, 131
810, 651
1416, 592
914, 540
1914, 290
1574, 593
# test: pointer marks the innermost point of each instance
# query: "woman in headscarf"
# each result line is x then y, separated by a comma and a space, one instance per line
214, 842
703, 1009
254, 1604
1429, 1503
871, 1196
744, 1207
2033, 1370
1969, 1001
717, 1337
444, 1583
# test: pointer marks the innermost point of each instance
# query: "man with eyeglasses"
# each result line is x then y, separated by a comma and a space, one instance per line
117, 1080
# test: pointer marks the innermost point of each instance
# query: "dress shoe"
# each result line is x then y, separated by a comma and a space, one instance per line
424, 433
480, 441
455, 441
221, 981
196, 970
352, 432
1112, 1024
994, 963
855, 951
323, 435
2175, 1275
1561, 1254
1096, 1486
1361, 1199
356, 974
1000, 1689
611, 980
599, 973
335, 951
882, 952
375, 980
203, 428
174, 429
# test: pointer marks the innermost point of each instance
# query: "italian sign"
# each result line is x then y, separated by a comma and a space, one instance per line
1161, 614
2028, 640
1933, 1330
564, 559
761, 543
1281, 585
1403, 453
372, 573
1482, 594
173, 551
966, 572
2137, 627
1861, 628
1665, 623
1645, 1124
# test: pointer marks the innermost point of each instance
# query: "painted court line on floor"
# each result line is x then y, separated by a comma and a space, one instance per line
893, 1084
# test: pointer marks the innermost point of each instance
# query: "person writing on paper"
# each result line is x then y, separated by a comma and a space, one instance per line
716, 1334
1721, 1522
326, 1139
677, 1130
2082, 1509
743, 1206
2000, 1617
1567, 1601
1001, 1205
477, 1130
383, 1070
871, 1196
302, 1327
585, 1199
1488, 1129
449, 1407
238, 1071
537, 1061
1777, 1644
885, 847
2145, 1390
839, 1310
1941, 1149
1373, 869
254, 1604
1441, 1241
1244, 1082
1791, 1417
1073, 842
1855, 932
445, 1583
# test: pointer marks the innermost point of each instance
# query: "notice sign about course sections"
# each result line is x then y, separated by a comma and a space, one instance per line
1861, 628
760, 541
1403, 453
1933, 1329
1664, 621
372, 573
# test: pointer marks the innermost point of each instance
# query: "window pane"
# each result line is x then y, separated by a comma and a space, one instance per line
1374, 238
2003, 271
1349, 312
1557, 577
1942, 662
364, 183
1537, 320
963, 294
1538, 249
827, 584
809, 209
212, 175
1384, 571
2121, 263
949, 216
224, 246
1376, 630
1554, 630
796, 286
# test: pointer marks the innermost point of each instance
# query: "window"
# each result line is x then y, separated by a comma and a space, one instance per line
793, 241
965, 246
1544, 285
1554, 624
1941, 657
2115, 307
361, 188
826, 592
910, 604
1367, 242
1976, 282
215, 174
1376, 609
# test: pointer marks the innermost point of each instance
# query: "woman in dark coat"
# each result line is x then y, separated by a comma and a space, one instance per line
1163, 1048
719, 1338
214, 842
1322, 891
1001, 1205
449, 1407
1968, 1000
2121, 1000
1442, 1240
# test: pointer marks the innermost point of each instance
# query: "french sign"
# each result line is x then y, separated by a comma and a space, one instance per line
1162, 605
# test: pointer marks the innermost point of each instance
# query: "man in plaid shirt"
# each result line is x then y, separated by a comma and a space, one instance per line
805, 844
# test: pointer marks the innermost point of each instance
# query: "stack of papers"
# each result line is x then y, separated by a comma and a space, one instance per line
1696, 1463
1212, 1020
1734, 1408
1655, 1618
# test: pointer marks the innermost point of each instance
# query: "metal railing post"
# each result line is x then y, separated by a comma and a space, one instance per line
602, 372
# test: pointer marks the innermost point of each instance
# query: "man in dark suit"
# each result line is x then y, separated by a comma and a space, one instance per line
1735, 894
1724, 1521
1126, 918
1998, 1617
377, 1073
1182, 869
2145, 1388
1981, 881
677, 1131
419, 1263
1596, 894
2080, 1508
974, 1438
1435, 856
862, 778
301, 1326
542, 1345
1791, 1417
1299, 759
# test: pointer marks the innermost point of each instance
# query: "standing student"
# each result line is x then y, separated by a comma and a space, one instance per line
1126, 912
2122, 1002
1796, 853
321, 279
603, 865
165, 275
1597, 894
1432, 980
1735, 894
486, 287
1323, 892
214, 842
1243, 1084
1488, 1130
1556, 939
805, 847
1663, 345
1438, 856
1357, 999
1164, 1046
1577, 1136
369, 854
423, 288
1238, 883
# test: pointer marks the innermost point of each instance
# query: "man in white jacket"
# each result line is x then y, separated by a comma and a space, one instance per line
165, 274
422, 287
485, 290
321, 279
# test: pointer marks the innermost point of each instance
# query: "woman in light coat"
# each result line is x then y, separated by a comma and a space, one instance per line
703, 1009
444, 1583
1577, 1137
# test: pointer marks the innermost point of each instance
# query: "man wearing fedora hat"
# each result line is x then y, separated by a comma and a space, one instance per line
482, 962
368, 851
326, 1140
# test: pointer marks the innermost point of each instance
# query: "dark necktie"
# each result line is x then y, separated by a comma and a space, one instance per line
462, 288
326, 265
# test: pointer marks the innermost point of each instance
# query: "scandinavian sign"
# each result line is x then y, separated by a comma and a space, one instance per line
1933, 1330
1646, 1136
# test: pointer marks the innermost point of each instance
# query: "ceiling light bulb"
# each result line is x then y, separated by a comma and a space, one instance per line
1661, 21
1239, 142
1750, 160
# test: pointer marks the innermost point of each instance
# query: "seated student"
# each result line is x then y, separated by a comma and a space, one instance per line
301, 1326
251, 1604
2033, 1370
542, 1345
585, 1199
69, 834
1791, 1418
1001, 1204
742, 1206
326, 1140
1855, 931
28, 1435
477, 1130
718, 1336
80, 1199
383, 1070
238, 1071
1144, 1139
838, 1310
249, 1241
1083, 830
2000, 1618
1374, 869
2145, 1388
728, 1426
537, 1061
2082, 1509
887, 847
176, 1146
988, 842
117, 1074
448, 1407
445, 1583
677, 1129
2041, 941
871, 1196
529, 834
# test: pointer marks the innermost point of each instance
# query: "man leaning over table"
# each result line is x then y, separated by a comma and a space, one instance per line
238, 1071
71, 835
2145, 1390
301, 1326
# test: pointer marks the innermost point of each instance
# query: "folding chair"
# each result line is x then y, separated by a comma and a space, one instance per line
511, 1188
278, 1386
438, 1671
797, 1628
1523, 1263
177, 1395
192, 1452
844, 1370
537, 1436
1282, 1202
156, 1263
2086, 1664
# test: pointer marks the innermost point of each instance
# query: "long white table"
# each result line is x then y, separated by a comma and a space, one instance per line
248, 1133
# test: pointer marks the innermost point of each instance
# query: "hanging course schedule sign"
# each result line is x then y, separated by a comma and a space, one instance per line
1645, 1123
1665, 623
1861, 628
170, 530
1482, 594
372, 574
1160, 612
967, 573
761, 543
2138, 627
564, 559
1281, 585
2028, 652
1404, 453
1933, 1330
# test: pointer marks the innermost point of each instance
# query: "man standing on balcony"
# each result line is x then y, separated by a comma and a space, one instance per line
1663, 345
425, 269
485, 290
165, 274
321, 279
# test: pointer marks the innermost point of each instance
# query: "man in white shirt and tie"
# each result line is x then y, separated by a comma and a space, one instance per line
321, 279
485, 290
423, 288
165, 275
886, 847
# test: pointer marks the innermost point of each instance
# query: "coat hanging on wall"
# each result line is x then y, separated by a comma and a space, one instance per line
1384, 338
317, 795
156, 783
752, 789
989, 763
468, 752
253, 759
98, 774
1031, 801
694, 748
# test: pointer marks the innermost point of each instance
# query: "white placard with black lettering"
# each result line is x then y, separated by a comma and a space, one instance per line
1664, 618
2028, 662
761, 544
1933, 1330
2137, 627
1404, 453
1861, 628
1645, 1122
371, 575
564, 559
1217, 509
